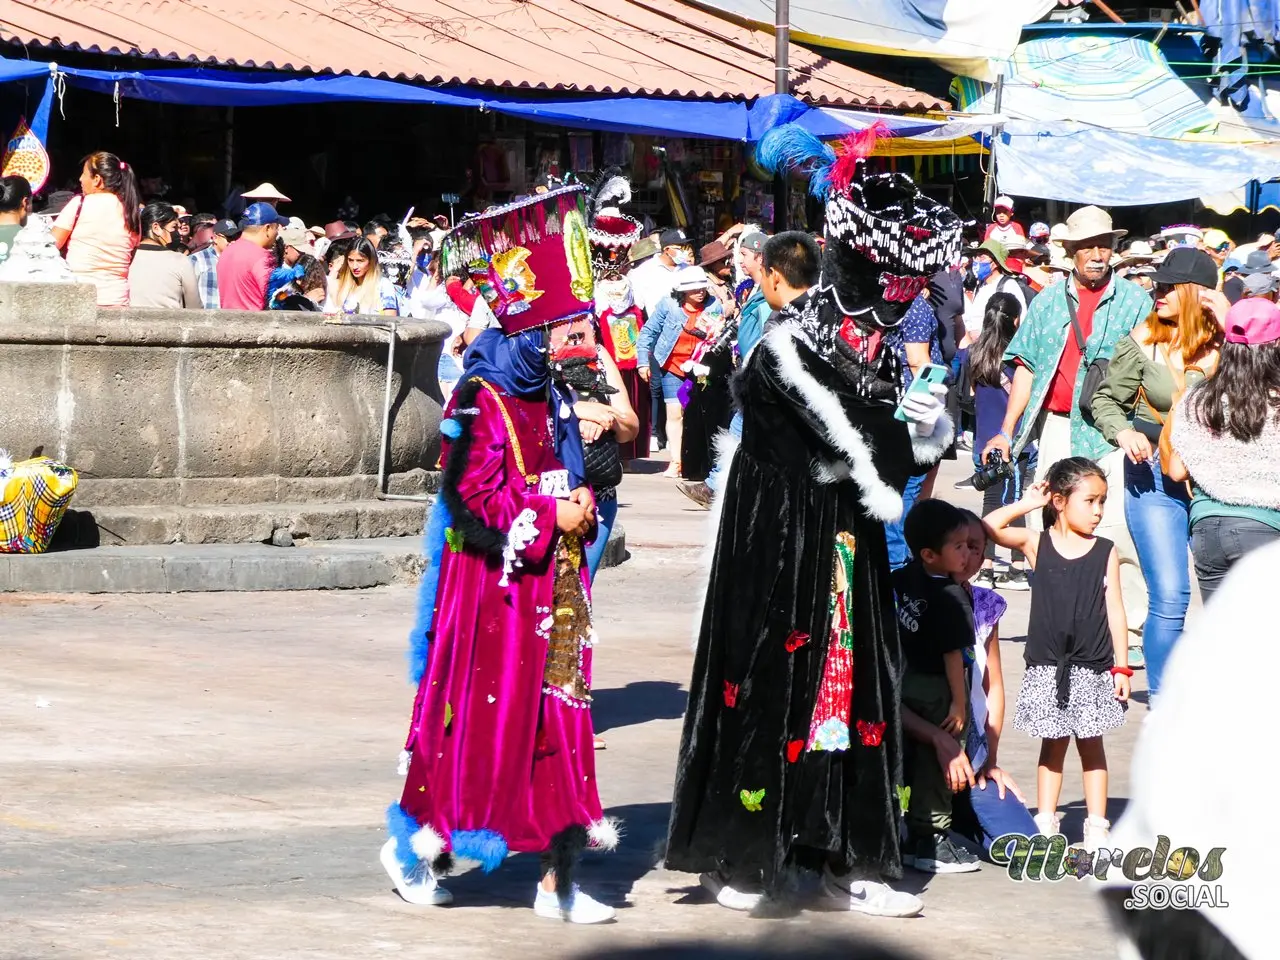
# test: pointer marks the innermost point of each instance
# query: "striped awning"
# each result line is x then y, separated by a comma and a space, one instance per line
1120, 83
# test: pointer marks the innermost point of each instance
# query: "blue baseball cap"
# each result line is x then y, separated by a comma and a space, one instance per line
260, 214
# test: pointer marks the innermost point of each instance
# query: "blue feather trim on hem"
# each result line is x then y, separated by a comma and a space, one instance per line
401, 827
486, 847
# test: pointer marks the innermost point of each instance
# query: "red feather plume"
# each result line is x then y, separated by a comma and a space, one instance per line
854, 147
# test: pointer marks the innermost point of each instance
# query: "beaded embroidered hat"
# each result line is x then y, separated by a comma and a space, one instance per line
612, 232
531, 260
883, 220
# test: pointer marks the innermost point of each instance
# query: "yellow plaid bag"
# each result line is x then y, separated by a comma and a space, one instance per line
34, 495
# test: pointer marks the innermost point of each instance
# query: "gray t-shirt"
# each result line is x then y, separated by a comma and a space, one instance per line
163, 278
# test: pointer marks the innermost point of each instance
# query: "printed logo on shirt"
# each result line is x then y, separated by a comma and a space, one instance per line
910, 613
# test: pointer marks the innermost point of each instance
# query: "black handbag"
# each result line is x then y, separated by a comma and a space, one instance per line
1094, 374
602, 462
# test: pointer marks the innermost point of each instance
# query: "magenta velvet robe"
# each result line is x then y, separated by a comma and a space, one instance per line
492, 751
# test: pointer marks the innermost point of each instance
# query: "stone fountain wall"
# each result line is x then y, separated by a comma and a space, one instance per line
202, 426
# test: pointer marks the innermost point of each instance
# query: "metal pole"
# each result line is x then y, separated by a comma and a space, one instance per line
228, 156
782, 84
989, 194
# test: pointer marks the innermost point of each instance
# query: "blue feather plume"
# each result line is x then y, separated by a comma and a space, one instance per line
401, 827
790, 148
433, 542
486, 847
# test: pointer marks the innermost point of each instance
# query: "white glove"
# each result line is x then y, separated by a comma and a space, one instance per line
923, 409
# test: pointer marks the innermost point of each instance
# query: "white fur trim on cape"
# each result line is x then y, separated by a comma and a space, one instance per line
726, 449
881, 500
604, 834
427, 844
929, 450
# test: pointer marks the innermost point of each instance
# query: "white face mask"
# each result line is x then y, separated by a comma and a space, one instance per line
615, 294
683, 257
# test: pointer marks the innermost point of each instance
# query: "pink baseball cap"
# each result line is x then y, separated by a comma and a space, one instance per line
1253, 321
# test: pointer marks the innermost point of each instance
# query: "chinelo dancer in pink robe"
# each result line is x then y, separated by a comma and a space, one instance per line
499, 755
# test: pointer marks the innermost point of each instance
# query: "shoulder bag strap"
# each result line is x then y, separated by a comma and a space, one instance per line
74, 220
1075, 322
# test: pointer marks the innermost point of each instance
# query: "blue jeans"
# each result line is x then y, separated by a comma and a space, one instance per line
981, 816
735, 431
657, 405
899, 554
1157, 511
606, 514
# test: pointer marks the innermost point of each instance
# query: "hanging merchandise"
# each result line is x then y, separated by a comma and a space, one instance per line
25, 154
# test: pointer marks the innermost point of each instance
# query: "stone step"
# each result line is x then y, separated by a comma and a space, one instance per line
182, 568
240, 523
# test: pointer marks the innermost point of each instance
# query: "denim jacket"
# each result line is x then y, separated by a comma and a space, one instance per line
1042, 337
659, 335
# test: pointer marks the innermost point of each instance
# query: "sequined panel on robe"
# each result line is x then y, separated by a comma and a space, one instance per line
571, 631
829, 729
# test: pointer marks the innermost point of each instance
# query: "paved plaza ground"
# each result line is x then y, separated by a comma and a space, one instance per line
205, 776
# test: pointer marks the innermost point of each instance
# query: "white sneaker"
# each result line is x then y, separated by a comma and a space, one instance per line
580, 908
1048, 823
1097, 833
869, 896
419, 886
727, 896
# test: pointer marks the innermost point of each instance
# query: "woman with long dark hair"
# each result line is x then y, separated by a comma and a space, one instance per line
991, 377
1225, 439
162, 275
1151, 368
100, 229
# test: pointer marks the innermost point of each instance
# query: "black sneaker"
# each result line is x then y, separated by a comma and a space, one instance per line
1013, 579
939, 854
967, 482
986, 578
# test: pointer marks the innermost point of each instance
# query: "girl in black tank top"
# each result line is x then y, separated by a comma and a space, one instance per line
1077, 679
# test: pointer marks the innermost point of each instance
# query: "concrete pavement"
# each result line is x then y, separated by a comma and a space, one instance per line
205, 775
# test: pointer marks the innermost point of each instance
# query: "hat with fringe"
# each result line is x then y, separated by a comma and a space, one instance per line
531, 260
883, 216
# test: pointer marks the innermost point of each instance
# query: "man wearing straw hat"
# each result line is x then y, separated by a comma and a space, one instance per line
1067, 328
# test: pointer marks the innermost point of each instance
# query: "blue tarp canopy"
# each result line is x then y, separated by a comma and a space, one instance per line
216, 88
1085, 164
721, 120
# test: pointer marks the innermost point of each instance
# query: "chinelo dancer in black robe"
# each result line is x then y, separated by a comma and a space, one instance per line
791, 754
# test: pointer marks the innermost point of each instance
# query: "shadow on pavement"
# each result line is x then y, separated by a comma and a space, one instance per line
637, 702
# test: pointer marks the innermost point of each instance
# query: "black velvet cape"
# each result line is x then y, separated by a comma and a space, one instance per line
709, 411
814, 460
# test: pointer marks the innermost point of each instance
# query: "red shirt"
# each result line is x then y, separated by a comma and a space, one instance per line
1062, 390
243, 271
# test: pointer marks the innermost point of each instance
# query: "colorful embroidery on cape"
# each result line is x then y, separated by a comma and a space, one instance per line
829, 729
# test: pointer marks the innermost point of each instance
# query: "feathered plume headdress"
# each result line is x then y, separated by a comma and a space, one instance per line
612, 233
883, 216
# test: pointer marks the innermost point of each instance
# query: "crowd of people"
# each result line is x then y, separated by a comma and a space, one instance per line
1121, 406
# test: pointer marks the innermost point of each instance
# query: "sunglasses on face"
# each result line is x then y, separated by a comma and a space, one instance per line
1161, 289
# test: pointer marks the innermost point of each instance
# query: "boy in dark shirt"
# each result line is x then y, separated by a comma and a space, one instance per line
935, 622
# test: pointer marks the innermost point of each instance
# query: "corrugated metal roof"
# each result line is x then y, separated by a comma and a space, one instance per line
655, 47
